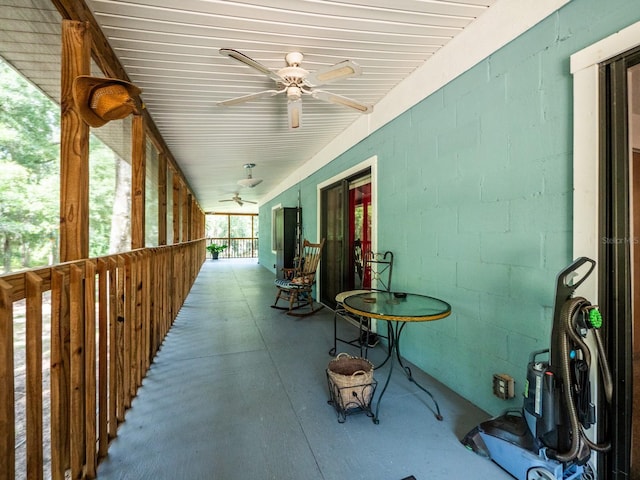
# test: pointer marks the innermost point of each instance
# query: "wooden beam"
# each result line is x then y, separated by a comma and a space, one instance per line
106, 59
74, 146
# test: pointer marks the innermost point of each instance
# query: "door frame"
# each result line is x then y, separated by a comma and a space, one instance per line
370, 163
595, 233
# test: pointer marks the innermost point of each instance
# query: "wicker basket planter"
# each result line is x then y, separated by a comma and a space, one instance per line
351, 385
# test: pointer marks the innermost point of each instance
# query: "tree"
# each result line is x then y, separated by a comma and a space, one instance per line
30, 181
28, 158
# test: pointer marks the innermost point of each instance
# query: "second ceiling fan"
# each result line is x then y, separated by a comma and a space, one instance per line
238, 199
296, 81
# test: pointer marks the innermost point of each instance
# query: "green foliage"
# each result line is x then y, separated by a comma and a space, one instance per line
213, 248
30, 179
29, 124
29, 183
102, 181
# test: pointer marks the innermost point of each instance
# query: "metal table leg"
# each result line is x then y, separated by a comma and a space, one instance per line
394, 329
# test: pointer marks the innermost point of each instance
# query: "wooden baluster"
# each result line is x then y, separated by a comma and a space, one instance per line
7, 409
59, 373
129, 311
33, 294
112, 365
77, 397
103, 336
121, 343
91, 460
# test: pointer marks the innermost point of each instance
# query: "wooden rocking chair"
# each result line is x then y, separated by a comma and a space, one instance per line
295, 288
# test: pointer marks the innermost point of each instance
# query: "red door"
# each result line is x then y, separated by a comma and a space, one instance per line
360, 214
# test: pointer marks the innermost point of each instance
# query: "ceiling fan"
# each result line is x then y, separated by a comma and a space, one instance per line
238, 199
296, 81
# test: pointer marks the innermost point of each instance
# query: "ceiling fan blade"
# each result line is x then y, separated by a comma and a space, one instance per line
249, 201
227, 200
339, 71
294, 108
250, 97
340, 100
241, 57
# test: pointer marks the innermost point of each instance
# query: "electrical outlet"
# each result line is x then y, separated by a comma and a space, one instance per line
503, 386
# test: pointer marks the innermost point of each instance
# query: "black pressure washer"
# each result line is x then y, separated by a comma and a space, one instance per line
546, 439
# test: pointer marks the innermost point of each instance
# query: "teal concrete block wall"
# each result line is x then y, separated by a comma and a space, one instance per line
475, 200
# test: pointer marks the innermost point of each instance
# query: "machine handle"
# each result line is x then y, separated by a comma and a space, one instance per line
533, 355
565, 274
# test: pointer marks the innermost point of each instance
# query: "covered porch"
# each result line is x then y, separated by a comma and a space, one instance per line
238, 390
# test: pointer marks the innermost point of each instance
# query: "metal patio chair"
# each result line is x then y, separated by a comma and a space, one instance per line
377, 270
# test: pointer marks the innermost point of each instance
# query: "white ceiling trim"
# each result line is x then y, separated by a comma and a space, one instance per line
506, 20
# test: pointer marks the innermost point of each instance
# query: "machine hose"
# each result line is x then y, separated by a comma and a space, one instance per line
571, 329
607, 380
580, 443
566, 314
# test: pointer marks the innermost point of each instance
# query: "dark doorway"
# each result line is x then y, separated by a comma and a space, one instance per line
346, 223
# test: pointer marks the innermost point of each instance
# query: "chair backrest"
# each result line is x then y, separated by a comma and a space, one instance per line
305, 267
311, 253
378, 268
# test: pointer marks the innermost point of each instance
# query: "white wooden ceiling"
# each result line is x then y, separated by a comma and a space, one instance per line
170, 49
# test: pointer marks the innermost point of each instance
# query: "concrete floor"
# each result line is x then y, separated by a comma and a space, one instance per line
238, 391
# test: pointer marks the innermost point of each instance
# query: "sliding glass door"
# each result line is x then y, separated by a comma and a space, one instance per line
346, 215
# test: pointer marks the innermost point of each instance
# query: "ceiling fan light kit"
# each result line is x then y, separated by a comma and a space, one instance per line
249, 182
296, 81
294, 107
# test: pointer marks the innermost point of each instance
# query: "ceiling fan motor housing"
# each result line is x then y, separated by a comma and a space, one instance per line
293, 58
293, 75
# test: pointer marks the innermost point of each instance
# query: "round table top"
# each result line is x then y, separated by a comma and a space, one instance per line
403, 307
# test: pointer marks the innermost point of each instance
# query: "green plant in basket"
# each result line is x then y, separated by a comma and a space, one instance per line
214, 249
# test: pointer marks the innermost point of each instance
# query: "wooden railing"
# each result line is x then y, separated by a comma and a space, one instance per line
236, 247
108, 318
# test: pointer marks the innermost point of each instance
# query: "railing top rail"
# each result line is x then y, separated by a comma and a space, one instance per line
17, 279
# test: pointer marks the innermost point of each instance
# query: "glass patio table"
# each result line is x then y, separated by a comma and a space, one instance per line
397, 309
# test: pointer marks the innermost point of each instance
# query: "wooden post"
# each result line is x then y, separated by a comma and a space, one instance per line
186, 203
177, 192
162, 199
74, 145
138, 177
